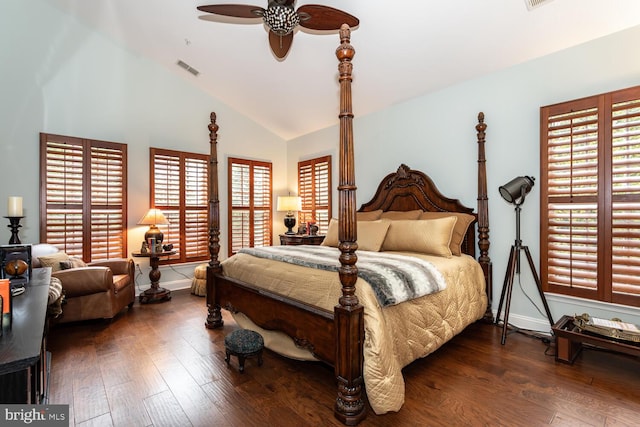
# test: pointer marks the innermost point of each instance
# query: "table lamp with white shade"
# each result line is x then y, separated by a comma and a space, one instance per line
289, 204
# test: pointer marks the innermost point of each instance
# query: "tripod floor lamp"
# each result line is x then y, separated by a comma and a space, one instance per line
514, 192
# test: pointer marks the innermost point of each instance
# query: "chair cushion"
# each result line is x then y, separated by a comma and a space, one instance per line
243, 341
41, 249
54, 260
72, 262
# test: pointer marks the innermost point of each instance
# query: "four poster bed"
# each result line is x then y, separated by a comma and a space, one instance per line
337, 317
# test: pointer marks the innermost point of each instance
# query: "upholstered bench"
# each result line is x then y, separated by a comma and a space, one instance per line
199, 282
243, 343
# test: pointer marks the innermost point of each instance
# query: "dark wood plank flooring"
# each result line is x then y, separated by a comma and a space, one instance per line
157, 365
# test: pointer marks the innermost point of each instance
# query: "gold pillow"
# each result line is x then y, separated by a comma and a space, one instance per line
54, 260
459, 231
396, 215
430, 237
368, 216
371, 234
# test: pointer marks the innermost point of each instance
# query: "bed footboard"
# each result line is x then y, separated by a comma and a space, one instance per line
310, 327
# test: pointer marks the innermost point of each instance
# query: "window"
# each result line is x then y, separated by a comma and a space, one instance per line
179, 189
250, 208
314, 187
590, 235
83, 196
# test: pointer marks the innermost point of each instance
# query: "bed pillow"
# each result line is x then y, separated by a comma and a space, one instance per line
459, 231
371, 234
396, 215
368, 216
431, 237
54, 260
331, 236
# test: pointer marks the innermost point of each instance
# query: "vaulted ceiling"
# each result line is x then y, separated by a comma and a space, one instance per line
404, 48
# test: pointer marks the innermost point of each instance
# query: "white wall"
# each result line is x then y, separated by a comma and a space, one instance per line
60, 77
436, 133
57, 76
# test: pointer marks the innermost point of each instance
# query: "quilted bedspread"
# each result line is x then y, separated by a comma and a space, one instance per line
394, 335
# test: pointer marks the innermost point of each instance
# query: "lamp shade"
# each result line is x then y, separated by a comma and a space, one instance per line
289, 203
515, 190
153, 217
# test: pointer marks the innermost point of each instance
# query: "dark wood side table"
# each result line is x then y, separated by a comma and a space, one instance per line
155, 293
300, 239
24, 366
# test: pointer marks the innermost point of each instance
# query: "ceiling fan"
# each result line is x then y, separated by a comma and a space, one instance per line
281, 18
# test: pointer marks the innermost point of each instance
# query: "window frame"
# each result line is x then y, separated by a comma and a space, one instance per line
266, 208
605, 221
93, 192
310, 203
188, 249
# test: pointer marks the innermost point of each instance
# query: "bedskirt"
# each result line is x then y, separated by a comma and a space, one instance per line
394, 336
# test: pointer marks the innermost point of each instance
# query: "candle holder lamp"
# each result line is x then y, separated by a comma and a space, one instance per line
14, 225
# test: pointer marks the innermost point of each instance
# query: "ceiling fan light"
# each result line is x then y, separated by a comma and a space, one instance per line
281, 19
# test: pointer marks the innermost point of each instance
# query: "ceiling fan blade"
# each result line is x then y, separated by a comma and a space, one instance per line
280, 45
317, 17
235, 10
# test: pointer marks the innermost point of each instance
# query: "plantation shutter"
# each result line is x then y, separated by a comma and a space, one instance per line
83, 196
625, 218
572, 199
107, 202
196, 208
591, 196
250, 215
179, 190
262, 205
314, 188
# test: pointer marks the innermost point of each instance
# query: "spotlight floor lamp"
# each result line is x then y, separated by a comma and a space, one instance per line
514, 192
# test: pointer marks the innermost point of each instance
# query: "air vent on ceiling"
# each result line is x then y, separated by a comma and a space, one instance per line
188, 67
532, 4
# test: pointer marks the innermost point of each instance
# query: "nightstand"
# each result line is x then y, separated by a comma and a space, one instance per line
300, 239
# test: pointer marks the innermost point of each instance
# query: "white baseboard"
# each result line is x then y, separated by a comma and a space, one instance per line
529, 323
173, 285
565, 305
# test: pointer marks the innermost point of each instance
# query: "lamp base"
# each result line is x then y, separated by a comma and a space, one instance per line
154, 233
290, 222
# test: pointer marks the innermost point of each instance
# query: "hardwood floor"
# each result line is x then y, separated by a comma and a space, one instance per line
157, 365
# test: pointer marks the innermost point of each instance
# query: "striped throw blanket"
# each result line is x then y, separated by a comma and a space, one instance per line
394, 278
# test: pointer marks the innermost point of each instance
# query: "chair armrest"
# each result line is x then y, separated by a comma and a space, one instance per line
118, 266
85, 280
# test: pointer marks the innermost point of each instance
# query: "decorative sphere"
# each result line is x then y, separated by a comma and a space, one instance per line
16, 267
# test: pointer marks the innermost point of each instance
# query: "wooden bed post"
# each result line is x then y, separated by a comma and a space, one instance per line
483, 216
214, 315
349, 314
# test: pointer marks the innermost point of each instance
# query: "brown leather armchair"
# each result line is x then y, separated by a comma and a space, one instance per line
98, 291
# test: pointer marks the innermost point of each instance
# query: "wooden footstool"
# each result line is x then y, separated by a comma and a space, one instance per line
243, 343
